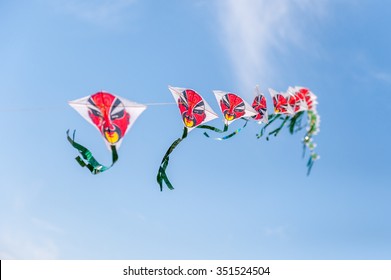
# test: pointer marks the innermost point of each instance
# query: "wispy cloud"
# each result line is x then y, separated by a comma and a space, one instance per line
22, 246
23, 236
382, 76
100, 12
253, 30
28, 238
46, 226
280, 232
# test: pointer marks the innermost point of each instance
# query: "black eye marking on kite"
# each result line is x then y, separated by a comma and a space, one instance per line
117, 110
96, 112
183, 100
239, 107
225, 101
199, 108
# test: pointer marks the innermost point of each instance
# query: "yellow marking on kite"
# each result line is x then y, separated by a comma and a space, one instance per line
112, 137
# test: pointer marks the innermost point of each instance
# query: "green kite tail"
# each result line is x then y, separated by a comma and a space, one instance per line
271, 118
225, 129
87, 159
162, 175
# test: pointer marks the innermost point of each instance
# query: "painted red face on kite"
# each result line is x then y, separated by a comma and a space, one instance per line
192, 108
108, 113
280, 103
259, 105
296, 100
309, 98
232, 106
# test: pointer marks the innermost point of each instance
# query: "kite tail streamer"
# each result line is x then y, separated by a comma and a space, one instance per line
229, 135
313, 129
278, 129
88, 160
272, 118
295, 123
215, 129
162, 175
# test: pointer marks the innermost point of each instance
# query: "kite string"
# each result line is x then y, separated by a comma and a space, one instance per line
26, 109
56, 108
159, 104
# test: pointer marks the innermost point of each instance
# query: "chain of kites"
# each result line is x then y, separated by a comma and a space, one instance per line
113, 116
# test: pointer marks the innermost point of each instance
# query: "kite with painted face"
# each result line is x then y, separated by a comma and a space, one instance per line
192, 107
297, 99
259, 105
233, 106
280, 102
112, 116
309, 97
312, 124
195, 111
290, 107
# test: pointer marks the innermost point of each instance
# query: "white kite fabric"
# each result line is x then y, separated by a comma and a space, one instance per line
113, 116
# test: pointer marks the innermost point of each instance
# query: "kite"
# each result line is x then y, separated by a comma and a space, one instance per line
282, 107
290, 107
259, 105
280, 102
112, 116
233, 107
297, 100
312, 124
195, 111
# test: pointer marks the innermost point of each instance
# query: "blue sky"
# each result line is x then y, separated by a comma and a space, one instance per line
242, 198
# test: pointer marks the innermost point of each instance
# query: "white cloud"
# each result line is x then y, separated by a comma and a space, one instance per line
30, 238
280, 232
46, 226
382, 76
23, 236
21, 246
252, 30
